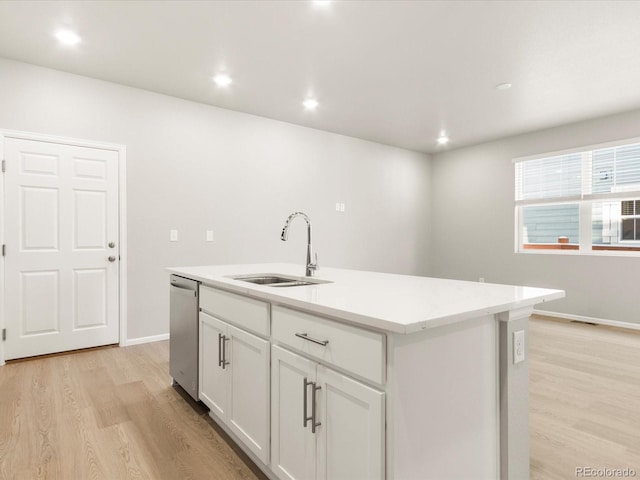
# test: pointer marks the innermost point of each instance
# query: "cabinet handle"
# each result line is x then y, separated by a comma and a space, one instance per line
304, 336
305, 419
222, 350
225, 339
314, 424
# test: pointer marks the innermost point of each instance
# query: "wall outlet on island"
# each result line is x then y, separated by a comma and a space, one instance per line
518, 346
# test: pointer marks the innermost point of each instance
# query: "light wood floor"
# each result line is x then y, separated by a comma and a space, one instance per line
584, 398
107, 414
111, 413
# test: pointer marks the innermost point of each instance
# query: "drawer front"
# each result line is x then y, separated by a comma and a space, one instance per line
247, 313
353, 349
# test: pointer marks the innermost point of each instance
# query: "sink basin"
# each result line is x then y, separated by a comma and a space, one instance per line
266, 280
274, 280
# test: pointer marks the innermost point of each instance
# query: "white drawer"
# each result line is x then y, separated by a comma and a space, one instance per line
247, 313
351, 348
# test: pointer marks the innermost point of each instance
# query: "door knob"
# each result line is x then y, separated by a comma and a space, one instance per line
112, 245
112, 258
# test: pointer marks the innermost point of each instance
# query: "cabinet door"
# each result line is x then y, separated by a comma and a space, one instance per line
213, 378
351, 437
293, 447
248, 412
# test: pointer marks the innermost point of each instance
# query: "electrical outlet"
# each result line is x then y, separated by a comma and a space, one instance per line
209, 235
173, 235
481, 279
518, 346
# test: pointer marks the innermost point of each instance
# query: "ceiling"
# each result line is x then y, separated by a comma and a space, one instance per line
394, 72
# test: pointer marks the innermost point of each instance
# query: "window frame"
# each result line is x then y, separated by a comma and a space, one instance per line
585, 201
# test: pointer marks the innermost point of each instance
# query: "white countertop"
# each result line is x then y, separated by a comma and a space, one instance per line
394, 303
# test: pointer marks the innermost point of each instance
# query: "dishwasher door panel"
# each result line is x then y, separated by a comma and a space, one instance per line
183, 334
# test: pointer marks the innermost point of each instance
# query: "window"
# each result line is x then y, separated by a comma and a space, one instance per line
585, 201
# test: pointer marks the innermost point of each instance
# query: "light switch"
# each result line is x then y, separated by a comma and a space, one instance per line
173, 235
209, 235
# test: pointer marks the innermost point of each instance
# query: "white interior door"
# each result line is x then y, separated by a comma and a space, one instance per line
62, 256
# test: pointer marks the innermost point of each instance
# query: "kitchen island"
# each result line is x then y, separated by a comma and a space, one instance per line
367, 375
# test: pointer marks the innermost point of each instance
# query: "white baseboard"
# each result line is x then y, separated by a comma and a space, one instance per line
581, 318
141, 340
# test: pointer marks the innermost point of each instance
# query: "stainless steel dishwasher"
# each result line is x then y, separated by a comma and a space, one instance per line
183, 334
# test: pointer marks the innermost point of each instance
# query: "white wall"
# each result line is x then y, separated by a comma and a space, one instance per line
195, 167
473, 224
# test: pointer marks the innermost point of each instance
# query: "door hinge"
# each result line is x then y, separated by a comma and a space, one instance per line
4, 166
4, 334
4, 249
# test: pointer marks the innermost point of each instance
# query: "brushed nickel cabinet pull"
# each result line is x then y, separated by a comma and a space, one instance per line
314, 424
219, 349
225, 339
304, 336
305, 419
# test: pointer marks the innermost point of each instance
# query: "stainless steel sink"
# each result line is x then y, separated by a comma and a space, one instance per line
274, 280
266, 280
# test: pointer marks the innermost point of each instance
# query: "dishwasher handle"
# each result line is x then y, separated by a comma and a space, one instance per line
189, 292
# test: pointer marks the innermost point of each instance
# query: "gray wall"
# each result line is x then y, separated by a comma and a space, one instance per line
472, 224
195, 167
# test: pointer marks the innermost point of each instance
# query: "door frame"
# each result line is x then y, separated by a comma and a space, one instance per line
122, 219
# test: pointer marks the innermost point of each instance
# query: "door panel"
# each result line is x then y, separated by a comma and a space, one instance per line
249, 405
38, 163
293, 447
214, 380
89, 220
39, 293
90, 309
39, 220
61, 212
351, 437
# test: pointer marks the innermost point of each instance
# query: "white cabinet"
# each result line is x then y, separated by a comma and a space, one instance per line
234, 381
324, 425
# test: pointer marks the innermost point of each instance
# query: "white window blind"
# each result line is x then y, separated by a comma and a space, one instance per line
611, 172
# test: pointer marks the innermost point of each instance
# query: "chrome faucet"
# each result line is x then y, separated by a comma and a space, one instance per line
311, 266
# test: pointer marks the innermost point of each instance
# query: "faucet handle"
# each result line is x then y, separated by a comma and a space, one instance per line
315, 262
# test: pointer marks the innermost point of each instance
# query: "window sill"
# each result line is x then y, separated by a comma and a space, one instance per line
550, 246
574, 249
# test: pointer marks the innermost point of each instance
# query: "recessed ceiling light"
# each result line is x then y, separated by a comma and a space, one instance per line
222, 80
443, 139
67, 37
321, 3
310, 104
504, 86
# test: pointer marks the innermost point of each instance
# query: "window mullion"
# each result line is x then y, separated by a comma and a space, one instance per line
586, 227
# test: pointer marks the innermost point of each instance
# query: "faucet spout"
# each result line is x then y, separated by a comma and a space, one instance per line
312, 265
